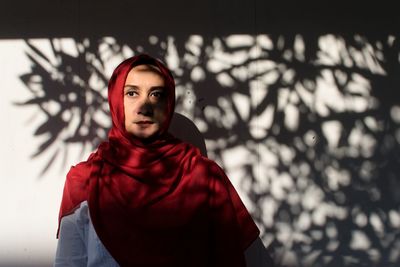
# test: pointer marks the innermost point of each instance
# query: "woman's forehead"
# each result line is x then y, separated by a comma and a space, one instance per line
147, 67
140, 72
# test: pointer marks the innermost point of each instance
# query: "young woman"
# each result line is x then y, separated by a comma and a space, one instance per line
145, 198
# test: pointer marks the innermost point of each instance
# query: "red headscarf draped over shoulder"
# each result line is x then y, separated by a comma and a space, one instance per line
159, 203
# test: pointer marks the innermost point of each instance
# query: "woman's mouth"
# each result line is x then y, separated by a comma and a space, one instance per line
144, 122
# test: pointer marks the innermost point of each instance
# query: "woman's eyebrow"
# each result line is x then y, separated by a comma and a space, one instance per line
130, 86
157, 88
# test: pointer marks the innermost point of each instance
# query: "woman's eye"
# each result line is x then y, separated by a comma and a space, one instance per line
157, 94
131, 93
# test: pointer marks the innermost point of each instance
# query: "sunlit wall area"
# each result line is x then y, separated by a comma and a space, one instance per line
307, 128
28, 200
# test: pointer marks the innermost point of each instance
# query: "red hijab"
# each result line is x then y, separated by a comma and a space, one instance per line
158, 203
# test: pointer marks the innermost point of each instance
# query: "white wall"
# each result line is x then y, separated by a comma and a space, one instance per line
29, 202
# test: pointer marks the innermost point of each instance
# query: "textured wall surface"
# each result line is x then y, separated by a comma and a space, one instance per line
299, 104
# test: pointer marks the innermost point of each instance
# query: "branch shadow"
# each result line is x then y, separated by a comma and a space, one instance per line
306, 124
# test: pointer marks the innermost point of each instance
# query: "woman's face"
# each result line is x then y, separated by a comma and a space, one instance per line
145, 101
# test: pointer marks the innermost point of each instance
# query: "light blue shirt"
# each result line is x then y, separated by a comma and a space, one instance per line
78, 243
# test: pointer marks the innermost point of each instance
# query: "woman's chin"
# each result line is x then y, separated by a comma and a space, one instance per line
145, 136
143, 131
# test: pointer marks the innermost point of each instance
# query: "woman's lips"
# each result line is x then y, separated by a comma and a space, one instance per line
144, 122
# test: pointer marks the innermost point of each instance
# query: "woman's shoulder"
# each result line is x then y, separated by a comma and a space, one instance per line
207, 166
204, 161
81, 169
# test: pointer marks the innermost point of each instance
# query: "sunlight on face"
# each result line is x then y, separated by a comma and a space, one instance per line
145, 101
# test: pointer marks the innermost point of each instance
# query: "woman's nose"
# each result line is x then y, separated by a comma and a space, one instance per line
145, 108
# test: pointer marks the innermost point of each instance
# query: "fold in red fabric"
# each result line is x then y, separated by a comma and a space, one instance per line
159, 202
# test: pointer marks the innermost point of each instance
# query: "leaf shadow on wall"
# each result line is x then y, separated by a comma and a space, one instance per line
306, 125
